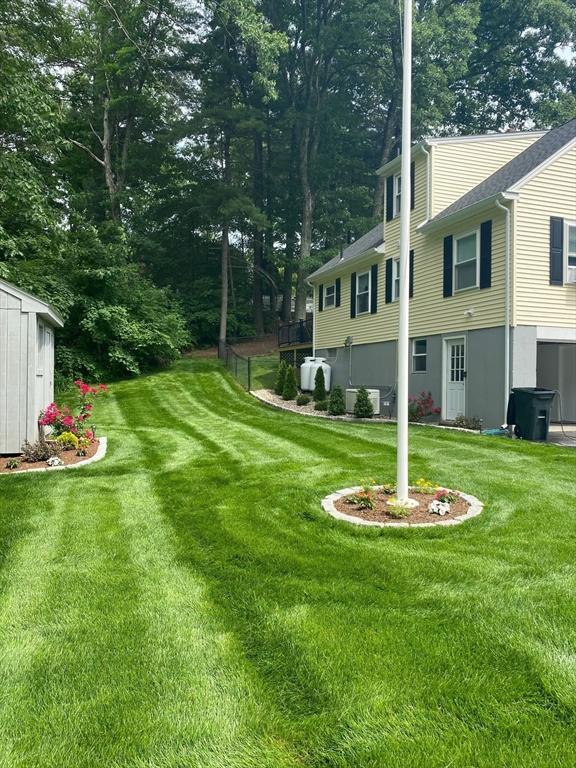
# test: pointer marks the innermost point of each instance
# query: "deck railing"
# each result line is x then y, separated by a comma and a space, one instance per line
296, 332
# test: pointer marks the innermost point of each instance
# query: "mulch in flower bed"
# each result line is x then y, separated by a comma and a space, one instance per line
420, 514
67, 457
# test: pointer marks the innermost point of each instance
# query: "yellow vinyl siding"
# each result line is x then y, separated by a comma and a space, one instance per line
334, 324
457, 167
550, 193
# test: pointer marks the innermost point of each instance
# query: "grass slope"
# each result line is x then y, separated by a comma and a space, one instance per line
186, 603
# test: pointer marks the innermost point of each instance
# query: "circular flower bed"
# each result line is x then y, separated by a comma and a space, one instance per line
376, 505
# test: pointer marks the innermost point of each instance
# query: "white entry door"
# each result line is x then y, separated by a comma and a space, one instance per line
454, 378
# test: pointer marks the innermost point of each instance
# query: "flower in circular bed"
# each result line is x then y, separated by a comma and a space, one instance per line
438, 507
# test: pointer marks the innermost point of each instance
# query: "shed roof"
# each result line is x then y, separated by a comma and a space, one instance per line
515, 170
30, 303
368, 242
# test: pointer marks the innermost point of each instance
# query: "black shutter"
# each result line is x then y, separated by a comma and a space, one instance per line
486, 254
411, 289
389, 198
374, 289
389, 263
412, 185
556, 250
320, 298
338, 291
448, 245
353, 294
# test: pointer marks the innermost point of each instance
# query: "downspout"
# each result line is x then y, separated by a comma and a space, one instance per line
507, 293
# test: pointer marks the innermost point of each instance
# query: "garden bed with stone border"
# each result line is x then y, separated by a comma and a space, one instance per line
269, 397
338, 505
95, 452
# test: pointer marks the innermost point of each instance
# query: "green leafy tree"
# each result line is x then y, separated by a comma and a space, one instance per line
363, 408
290, 390
319, 385
336, 403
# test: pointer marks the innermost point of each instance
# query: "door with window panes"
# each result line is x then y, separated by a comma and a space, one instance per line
455, 378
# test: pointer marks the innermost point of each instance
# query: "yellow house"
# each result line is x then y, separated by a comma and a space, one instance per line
493, 285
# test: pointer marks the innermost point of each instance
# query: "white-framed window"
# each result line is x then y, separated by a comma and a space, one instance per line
397, 194
363, 293
571, 251
419, 354
467, 261
330, 295
395, 279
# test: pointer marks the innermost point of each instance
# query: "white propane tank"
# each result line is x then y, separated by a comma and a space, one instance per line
306, 378
320, 362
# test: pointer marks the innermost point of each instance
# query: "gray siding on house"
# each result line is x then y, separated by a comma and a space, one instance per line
556, 370
374, 366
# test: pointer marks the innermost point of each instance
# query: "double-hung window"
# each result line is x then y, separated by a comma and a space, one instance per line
363, 293
395, 279
571, 252
397, 194
330, 296
466, 261
419, 352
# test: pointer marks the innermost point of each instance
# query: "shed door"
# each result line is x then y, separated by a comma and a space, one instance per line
40, 370
48, 366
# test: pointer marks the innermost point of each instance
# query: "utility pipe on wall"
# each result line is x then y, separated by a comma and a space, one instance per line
506, 309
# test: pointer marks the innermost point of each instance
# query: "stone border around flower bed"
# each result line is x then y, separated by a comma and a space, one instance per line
268, 398
329, 506
100, 453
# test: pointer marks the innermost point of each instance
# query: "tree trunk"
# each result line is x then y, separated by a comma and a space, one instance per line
108, 168
225, 255
390, 130
291, 226
258, 240
307, 218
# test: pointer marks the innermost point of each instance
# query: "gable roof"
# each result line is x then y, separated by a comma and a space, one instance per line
26, 302
515, 170
360, 247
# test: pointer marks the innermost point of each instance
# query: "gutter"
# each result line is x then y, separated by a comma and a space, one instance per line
507, 296
432, 225
378, 250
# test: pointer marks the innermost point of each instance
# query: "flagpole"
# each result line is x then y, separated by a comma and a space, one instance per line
403, 323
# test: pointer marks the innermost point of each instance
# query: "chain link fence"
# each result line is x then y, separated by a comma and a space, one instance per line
240, 367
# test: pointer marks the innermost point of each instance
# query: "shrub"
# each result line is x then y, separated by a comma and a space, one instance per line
68, 441
397, 511
42, 450
280, 378
290, 387
388, 488
321, 405
421, 406
302, 400
65, 420
320, 385
13, 463
444, 495
363, 408
364, 498
425, 486
465, 422
336, 404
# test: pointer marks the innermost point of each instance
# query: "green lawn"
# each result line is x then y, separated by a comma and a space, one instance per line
185, 603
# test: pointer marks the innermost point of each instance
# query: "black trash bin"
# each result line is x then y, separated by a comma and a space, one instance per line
529, 411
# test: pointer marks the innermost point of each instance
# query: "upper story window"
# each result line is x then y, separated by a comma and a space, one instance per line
395, 279
466, 261
363, 293
330, 296
397, 194
571, 251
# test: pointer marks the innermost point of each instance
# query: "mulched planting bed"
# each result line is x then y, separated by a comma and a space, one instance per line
67, 457
420, 514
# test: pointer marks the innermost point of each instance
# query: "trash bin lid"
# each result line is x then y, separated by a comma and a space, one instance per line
540, 392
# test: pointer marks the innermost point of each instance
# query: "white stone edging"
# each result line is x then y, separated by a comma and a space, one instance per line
257, 393
100, 453
329, 506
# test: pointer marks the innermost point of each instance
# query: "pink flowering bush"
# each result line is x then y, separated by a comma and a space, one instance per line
421, 406
67, 420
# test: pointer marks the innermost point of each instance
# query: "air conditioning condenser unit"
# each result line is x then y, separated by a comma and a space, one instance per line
373, 394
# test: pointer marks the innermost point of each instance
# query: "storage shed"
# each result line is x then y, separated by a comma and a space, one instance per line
26, 364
